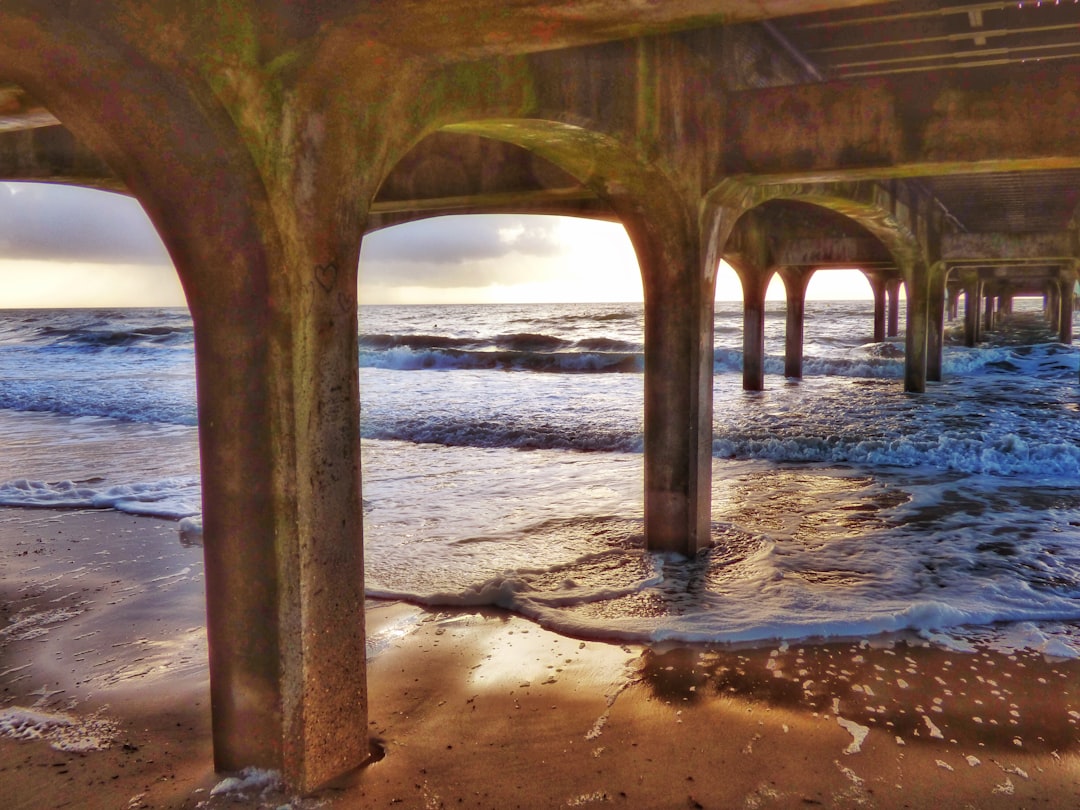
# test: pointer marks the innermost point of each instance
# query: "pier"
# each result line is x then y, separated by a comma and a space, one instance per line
932, 146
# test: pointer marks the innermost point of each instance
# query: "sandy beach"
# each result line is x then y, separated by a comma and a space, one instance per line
104, 704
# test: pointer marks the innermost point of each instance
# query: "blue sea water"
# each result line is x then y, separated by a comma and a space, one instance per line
502, 466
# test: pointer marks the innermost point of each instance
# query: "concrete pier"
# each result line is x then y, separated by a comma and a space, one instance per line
263, 140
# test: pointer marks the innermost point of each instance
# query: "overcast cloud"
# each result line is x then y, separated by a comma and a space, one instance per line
68, 224
461, 251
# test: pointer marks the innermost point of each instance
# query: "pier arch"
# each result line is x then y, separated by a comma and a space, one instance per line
678, 277
258, 192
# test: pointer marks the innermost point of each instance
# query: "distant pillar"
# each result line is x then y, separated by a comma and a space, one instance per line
971, 312
918, 282
954, 303
1065, 316
755, 283
936, 323
796, 281
1053, 307
892, 287
877, 286
989, 319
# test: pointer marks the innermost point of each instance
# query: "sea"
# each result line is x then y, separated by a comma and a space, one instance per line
502, 467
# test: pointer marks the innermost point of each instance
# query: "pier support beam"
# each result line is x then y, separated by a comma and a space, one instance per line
266, 242
918, 285
970, 280
678, 280
1065, 311
796, 280
935, 343
989, 314
953, 306
892, 289
877, 285
755, 283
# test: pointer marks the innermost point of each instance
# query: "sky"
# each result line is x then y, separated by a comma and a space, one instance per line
73, 247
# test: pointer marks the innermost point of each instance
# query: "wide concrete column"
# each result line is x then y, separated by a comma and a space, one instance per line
279, 441
256, 191
678, 281
796, 280
755, 283
935, 344
917, 282
892, 290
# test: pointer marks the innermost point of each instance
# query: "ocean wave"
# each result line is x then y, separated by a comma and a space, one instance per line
500, 433
150, 336
1007, 455
568, 362
84, 398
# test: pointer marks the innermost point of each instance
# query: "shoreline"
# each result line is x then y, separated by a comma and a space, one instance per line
101, 622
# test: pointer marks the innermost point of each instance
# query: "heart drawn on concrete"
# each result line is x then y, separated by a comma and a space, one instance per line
326, 275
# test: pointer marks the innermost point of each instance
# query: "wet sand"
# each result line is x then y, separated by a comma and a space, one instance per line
101, 636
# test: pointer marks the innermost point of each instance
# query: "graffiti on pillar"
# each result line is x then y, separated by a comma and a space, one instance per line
326, 277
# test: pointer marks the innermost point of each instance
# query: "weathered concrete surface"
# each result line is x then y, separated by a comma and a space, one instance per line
261, 137
1009, 248
1004, 120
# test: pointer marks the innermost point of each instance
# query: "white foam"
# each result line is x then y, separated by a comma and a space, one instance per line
249, 779
168, 498
63, 732
858, 734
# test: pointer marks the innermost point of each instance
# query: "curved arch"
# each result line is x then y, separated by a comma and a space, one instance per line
661, 222
262, 219
640, 194
866, 203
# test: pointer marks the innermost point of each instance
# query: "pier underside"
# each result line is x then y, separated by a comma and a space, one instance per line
930, 145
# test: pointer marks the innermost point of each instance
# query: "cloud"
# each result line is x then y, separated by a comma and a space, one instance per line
65, 223
459, 239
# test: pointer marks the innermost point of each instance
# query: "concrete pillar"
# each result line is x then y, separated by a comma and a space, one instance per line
1052, 306
279, 432
679, 286
989, 315
917, 282
877, 286
1065, 313
263, 223
892, 288
936, 323
953, 307
796, 281
1005, 304
755, 283
971, 313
